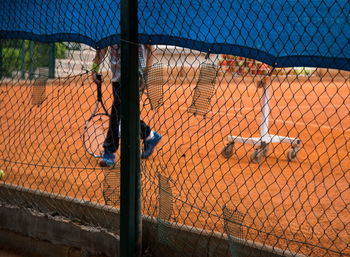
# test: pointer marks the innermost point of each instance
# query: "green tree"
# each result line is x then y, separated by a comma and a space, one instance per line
16, 55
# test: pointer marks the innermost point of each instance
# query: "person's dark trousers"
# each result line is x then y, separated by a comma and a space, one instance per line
111, 143
145, 130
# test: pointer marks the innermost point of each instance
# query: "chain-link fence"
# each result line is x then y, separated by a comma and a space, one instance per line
251, 153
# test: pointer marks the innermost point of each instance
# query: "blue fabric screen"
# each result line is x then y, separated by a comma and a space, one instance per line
282, 33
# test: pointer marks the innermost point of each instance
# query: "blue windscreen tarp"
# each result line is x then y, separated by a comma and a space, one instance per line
281, 33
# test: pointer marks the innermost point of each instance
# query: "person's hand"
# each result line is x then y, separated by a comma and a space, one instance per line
96, 77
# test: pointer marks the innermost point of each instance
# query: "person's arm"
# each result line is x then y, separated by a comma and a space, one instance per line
98, 59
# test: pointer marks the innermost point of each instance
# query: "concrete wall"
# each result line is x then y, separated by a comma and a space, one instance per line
71, 229
37, 234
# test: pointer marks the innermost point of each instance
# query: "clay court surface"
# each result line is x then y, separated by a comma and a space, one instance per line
284, 203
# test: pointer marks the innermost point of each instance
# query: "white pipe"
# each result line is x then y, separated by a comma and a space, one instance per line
265, 110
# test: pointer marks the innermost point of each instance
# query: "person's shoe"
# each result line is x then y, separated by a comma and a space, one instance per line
148, 145
108, 159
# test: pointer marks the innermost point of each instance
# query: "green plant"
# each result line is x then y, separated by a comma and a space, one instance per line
16, 55
10, 61
60, 50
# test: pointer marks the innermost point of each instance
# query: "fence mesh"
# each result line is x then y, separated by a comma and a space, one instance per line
255, 153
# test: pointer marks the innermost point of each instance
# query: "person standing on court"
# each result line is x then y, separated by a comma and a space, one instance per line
111, 144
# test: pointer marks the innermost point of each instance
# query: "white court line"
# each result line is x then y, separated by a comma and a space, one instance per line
280, 107
301, 124
302, 106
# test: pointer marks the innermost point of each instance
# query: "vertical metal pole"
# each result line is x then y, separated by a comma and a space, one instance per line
23, 54
52, 60
31, 49
130, 208
265, 110
1, 60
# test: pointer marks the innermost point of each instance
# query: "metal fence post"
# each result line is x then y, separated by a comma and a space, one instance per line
31, 50
1, 60
52, 60
130, 209
23, 54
